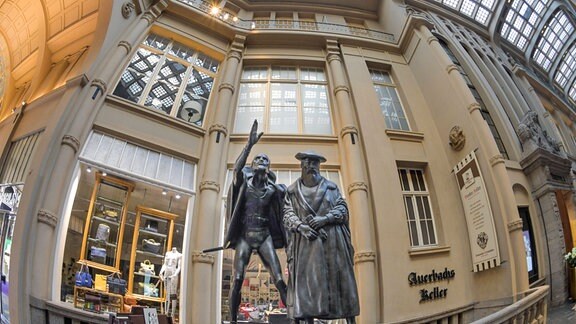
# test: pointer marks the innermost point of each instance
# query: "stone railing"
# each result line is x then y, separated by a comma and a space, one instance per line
532, 308
285, 24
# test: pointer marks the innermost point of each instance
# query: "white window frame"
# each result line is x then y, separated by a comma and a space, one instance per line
268, 81
418, 219
392, 86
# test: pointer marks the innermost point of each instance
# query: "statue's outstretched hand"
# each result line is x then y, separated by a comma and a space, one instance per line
308, 232
254, 136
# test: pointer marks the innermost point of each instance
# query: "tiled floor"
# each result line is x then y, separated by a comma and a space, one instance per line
564, 314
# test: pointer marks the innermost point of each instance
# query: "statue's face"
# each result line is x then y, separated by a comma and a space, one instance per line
261, 162
310, 166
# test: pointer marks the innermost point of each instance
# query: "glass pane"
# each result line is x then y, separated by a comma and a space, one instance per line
415, 184
283, 73
251, 103
163, 92
424, 230
255, 73
156, 41
420, 178
152, 164
137, 75
195, 98
283, 108
404, 180
312, 74
316, 113
431, 234
414, 234
207, 62
410, 208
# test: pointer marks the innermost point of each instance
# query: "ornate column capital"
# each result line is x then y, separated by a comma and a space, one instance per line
498, 158
47, 217
341, 88
473, 106
199, 257
234, 54
218, 128
364, 256
331, 56
71, 141
227, 86
348, 130
515, 225
357, 186
100, 84
124, 44
209, 185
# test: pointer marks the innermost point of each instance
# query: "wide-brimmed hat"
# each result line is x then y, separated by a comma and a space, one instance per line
310, 155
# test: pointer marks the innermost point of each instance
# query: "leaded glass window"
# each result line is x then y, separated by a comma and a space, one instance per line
169, 77
284, 100
567, 67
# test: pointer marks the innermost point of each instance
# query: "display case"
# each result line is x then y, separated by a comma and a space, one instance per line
152, 238
97, 301
104, 227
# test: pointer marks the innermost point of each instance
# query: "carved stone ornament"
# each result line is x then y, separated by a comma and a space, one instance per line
200, 257
533, 136
72, 142
127, 9
364, 256
47, 218
209, 185
457, 138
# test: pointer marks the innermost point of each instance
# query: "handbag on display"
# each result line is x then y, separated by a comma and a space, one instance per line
149, 245
100, 282
151, 225
146, 267
103, 232
150, 289
98, 254
83, 277
111, 213
116, 285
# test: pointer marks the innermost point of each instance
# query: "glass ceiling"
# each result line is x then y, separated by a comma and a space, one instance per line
479, 10
521, 21
552, 39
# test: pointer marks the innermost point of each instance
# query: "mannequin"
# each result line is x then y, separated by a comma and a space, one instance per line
169, 273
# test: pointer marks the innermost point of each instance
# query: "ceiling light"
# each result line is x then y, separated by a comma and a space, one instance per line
177, 196
226, 16
164, 192
215, 10
234, 19
104, 173
88, 169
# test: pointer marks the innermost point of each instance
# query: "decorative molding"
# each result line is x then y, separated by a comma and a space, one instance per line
209, 185
125, 45
235, 53
47, 217
127, 9
364, 256
218, 128
226, 85
333, 56
237, 47
348, 130
515, 225
341, 88
199, 257
473, 107
357, 186
451, 68
456, 138
149, 17
498, 158
71, 141
100, 84
532, 135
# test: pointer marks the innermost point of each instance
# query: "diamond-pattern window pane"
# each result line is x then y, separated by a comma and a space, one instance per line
176, 72
107, 151
554, 35
521, 20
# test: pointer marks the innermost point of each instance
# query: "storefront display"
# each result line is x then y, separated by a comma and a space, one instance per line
104, 228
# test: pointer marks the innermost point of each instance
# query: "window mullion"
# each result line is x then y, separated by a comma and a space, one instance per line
268, 101
152, 79
181, 90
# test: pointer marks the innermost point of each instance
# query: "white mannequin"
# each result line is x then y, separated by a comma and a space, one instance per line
169, 273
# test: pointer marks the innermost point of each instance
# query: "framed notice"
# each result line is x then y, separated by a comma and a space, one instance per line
150, 316
481, 230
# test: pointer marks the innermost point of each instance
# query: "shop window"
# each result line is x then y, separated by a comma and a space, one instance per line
419, 214
284, 100
390, 103
529, 244
169, 77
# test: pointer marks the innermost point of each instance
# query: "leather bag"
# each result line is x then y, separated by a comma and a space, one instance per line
100, 282
146, 267
149, 245
116, 284
83, 277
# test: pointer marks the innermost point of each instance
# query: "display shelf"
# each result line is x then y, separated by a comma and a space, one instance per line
105, 220
97, 301
153, 230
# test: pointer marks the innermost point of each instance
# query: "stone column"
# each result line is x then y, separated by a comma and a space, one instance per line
360, 215
506, 203
55, 172
202, 289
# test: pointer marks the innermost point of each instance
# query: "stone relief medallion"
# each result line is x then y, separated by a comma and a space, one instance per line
482, 240
457, 138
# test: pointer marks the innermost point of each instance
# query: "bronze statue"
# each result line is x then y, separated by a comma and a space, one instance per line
255, 219
321, 280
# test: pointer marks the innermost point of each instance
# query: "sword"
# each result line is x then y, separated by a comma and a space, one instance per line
216, 249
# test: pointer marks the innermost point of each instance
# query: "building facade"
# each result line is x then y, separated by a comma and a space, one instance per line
448, 126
